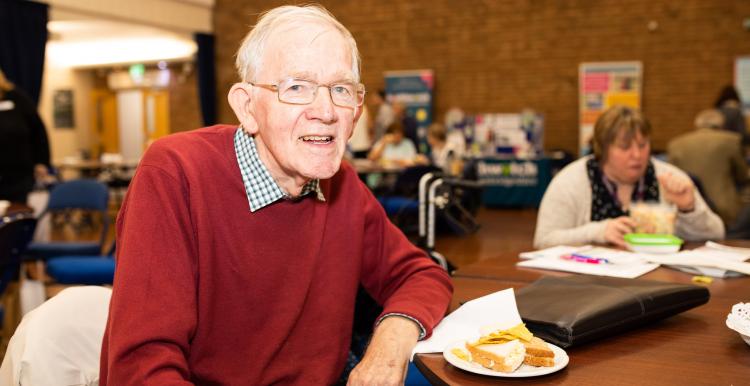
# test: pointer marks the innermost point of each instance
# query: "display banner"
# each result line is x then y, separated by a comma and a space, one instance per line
602, 85
742, 81
413, 89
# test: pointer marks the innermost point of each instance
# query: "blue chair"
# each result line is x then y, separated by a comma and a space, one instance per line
15, 234
86, 195
88, 270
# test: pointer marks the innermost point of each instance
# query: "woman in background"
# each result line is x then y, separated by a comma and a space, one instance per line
394, 147
589, 200
24, 149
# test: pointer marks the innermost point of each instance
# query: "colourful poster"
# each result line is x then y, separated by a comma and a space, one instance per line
742, 81
413, 89
601, 86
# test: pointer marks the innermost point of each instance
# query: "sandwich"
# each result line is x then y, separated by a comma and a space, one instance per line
538, 353
504, 357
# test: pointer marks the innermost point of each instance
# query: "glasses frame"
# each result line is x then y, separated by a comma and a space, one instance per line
360, 88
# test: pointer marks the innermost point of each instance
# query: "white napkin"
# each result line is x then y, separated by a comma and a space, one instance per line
497, 309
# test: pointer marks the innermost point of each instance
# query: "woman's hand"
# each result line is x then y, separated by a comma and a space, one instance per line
678, 190
617, 228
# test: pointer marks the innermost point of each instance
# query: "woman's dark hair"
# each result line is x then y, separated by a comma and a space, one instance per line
728, 93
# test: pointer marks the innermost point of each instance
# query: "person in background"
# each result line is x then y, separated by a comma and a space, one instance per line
407, 122
588, 200
24, 148
394, 147
384, 114
240, 249
361, 142
728, 102
715, 157
444, 154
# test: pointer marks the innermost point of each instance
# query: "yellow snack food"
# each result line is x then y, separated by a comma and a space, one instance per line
518, 331
461, 354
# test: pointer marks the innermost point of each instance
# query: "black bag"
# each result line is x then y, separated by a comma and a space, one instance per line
572, 310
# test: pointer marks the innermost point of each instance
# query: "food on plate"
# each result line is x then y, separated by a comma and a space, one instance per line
505, 357
500, 350
538, 353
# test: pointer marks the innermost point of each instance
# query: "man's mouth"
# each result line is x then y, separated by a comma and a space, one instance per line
317, 139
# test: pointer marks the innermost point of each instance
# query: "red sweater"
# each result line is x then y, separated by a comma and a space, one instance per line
207, 292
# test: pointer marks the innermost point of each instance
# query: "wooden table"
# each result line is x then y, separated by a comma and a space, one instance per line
692, 348
17, 208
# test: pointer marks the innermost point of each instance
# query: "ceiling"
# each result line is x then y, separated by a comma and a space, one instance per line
98, 42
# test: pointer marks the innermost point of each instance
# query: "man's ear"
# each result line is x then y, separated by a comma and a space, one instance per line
239, 98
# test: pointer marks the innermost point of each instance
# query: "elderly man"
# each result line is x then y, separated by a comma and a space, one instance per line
716, 158
240, 250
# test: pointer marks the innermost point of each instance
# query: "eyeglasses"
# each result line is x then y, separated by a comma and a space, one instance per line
303, 92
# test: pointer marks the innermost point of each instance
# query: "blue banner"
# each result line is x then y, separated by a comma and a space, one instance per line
413, 89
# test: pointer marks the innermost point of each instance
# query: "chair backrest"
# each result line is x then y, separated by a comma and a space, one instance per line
79, 194
85, 194
15, 235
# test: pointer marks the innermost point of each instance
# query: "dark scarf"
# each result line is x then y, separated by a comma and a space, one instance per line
604, 201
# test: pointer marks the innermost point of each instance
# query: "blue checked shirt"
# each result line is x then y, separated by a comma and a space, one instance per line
261, 189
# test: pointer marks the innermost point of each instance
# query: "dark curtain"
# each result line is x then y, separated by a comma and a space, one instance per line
206, 77
23, 37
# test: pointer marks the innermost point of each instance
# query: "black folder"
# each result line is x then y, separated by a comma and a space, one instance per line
571, 310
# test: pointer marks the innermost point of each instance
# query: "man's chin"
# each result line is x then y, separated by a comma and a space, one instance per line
322, 172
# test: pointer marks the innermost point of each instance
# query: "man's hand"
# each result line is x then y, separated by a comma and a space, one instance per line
385, 361
617, 228
678, 191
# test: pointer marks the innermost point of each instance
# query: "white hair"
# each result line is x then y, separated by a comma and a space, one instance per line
252, 49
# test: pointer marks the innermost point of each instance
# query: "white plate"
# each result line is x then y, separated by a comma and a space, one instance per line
561, 360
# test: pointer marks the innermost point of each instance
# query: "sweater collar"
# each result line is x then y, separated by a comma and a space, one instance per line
261, 189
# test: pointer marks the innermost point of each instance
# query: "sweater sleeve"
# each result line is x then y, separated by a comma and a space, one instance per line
699, 224
561, 206
399, 275
153, 309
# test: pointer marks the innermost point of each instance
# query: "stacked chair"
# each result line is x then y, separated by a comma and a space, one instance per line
85, 195
77, 262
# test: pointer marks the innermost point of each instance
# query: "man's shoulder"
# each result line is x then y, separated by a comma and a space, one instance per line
202, 135
701, 136
190, 146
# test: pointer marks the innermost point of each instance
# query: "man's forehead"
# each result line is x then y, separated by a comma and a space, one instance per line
294, 53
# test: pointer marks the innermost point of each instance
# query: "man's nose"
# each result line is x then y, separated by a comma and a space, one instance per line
322, 106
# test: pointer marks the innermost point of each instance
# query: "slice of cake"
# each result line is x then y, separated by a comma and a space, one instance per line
504, 357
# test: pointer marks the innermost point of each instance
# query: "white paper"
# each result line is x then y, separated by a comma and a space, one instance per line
498, 308
628, 271
708, 260
555, 251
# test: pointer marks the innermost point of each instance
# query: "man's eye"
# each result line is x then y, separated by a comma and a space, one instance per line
343, 90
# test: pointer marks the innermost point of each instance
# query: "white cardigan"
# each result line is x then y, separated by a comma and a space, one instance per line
564, 216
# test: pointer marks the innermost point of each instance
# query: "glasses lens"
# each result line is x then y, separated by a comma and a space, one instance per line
344, 94
297, 91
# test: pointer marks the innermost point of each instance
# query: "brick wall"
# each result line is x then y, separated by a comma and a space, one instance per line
502, 56
184, 106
